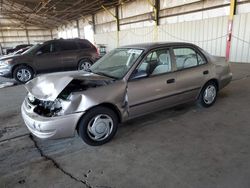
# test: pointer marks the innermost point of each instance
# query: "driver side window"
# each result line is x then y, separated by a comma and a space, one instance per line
48, 48
157, 62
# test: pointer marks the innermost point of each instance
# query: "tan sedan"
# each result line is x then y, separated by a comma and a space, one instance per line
128, 82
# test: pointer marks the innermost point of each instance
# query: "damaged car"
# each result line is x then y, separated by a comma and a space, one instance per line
129, 82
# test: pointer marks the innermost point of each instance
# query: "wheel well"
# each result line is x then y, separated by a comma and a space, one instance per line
211, 80
14, 67
215, 81
108, 105
114, 108
85, 58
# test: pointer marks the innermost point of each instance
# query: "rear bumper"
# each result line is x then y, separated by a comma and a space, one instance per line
49, 127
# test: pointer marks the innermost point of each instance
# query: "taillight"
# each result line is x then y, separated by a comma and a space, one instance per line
97, 51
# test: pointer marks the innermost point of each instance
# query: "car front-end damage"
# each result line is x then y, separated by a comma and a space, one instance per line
56, 102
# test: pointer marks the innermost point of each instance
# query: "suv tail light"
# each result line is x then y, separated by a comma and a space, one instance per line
97, 51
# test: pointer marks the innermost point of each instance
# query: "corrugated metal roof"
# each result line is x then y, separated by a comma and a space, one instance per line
49, 13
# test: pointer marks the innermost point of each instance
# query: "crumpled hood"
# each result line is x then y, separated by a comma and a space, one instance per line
47, 87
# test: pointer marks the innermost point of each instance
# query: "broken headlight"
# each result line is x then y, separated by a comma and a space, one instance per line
31, 98
48, 108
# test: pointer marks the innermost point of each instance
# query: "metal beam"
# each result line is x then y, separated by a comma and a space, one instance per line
93, 21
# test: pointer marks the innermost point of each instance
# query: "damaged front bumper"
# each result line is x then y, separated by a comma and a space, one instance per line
49, 127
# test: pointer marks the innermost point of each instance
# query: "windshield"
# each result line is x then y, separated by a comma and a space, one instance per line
32, 49
116, 63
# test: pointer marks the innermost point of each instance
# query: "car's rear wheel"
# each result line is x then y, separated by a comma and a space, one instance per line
208, 94
23, 74
84, 64
98, 126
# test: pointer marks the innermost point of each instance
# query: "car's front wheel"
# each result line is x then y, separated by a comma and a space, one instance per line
23, 74
84, 64
208, 94
98, 126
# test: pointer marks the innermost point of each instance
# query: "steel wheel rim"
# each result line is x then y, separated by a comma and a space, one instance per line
23, 75
84, 66
100, 127
209, 94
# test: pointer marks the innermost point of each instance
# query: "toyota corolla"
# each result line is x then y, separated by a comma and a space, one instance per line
128, 82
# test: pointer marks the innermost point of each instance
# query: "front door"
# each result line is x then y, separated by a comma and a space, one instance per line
156, 89
47, 59
70, 52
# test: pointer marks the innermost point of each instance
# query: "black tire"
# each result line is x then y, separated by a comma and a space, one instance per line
29, 74
87, 120
84, 64
202, 99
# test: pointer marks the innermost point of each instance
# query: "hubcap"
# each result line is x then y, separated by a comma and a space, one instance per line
23, 75
84, 66
209, 94
100, 127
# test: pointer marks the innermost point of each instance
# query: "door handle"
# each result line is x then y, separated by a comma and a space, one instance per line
172, 80
205, 72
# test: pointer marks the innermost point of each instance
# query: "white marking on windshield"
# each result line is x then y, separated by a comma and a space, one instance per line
135, 51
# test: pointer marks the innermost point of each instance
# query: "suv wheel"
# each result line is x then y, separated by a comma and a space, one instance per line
84, 64
23, 74
98, 126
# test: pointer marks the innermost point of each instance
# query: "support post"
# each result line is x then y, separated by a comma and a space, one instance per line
51, 34
93, 21
230, 27
156, 8
116, 16
27, 35
78, 28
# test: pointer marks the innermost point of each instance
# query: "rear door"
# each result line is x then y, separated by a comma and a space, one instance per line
70, 51
87, 50
192, 71
155, 91
47, 59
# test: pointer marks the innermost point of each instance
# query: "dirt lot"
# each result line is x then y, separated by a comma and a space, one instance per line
186, 146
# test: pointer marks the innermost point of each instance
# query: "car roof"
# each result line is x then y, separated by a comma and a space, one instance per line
150, 45
61, 39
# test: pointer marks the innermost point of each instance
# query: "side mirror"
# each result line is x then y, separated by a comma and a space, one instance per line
139, 74
38, 53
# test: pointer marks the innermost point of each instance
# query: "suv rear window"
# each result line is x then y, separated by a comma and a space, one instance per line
68, 45
84, 45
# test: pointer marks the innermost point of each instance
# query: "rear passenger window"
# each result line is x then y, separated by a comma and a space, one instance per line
46, 49
68, 45
186, 58
84, 45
